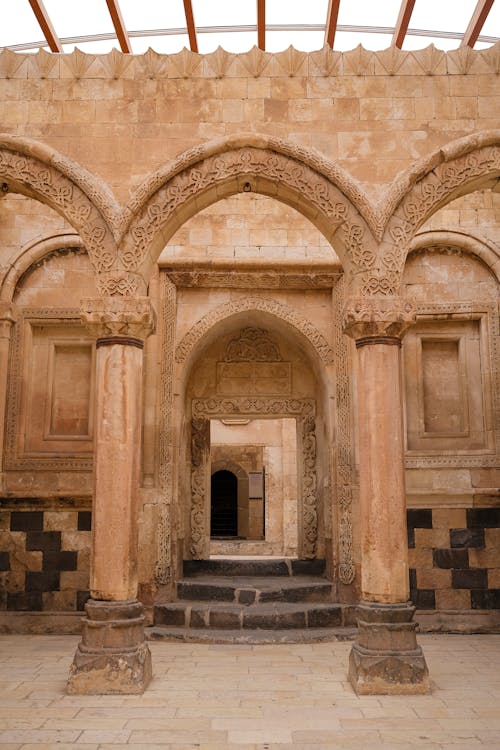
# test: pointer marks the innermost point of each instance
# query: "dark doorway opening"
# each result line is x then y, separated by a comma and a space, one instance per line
224, 504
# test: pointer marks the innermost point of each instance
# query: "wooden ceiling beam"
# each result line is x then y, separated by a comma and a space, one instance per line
331, 22
118, 23
46, 26
476, 23
402, 23
261, 24
188, 10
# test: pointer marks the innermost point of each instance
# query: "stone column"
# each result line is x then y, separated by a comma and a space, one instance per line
113, 656
7, 320
385, 658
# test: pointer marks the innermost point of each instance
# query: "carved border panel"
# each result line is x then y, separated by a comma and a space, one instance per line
218, 408
488, 313
13, 460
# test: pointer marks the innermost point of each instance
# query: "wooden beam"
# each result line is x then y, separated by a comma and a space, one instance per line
121, 31
402, 23
476, 23
48, 30
261, 24
331, 21
188, 10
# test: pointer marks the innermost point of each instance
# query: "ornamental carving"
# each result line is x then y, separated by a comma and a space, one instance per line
264, 304
66, 187
252, 345
153, 211
236, 279
118, 316
377, 316
309, 488
200, 457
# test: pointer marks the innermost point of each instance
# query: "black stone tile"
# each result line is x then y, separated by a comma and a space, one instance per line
483, 518
308, 567
411, 537
413, 578
42, 581
324, 618
247, 596
419, 518
467, 537
423, 598
25, 601
47, 541
224, 619
82, 598
84, 520
29, 520
66, 560
474, 578
485, 598
4, 561
450, 558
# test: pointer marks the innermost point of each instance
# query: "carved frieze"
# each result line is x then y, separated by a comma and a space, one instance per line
252, 345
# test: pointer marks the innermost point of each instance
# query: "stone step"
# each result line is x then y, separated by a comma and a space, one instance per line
253, 590
221, 616
250, 637
250, 567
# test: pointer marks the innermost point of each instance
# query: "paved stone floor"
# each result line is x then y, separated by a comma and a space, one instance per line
250, 698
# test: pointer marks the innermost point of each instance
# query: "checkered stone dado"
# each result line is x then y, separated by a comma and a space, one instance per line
44, 556
454, 558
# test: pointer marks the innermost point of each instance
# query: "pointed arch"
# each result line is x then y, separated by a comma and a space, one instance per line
37, 171
313, 336
323, 192
458, 168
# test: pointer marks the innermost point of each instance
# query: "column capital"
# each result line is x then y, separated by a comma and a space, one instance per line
8, 317
372, 318
122, 317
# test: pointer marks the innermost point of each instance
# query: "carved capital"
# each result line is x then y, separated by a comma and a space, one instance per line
375, 317
125, 317
7, 318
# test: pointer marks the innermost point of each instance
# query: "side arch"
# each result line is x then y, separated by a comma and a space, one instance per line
31, 254
313, 336
479, 249
458, 168
37, 171
321, 191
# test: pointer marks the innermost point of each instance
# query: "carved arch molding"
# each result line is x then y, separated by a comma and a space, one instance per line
203, 410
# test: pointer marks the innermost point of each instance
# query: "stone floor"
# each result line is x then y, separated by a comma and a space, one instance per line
251, 697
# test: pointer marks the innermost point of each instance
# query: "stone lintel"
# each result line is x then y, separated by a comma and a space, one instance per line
377, 318
111, 317
112, 657
386, 659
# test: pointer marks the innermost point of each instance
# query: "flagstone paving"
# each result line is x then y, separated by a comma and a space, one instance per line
215, 697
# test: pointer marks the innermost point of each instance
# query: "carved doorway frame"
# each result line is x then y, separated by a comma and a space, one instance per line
203, 410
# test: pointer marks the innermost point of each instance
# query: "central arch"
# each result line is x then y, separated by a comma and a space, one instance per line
302, 179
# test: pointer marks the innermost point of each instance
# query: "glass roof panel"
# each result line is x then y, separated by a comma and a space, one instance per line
166, 44
100, 47
79, 18
492, 24
307, 41
236, 41
19, 26
224, 12
369, 13
442, 15
151, 14
348, 40
310, 12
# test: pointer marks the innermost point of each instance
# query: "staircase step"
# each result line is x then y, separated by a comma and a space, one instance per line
251, 590
273, 566
250, 637
217, 615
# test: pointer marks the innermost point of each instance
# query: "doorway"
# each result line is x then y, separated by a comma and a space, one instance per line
223, 504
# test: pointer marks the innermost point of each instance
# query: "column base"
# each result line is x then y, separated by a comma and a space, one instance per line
112, 657
386, 659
